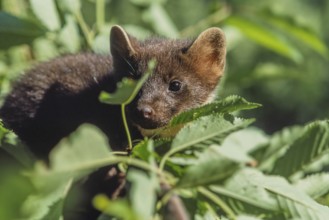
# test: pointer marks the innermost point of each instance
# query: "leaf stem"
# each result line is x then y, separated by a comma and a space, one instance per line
212, 19
214, 198
171, 152
104, 162
85, 29
125, 124
100, 14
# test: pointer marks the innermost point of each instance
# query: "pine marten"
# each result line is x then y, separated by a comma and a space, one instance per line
52, 99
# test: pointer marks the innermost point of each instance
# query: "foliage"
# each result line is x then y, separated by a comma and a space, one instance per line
217, 166
204, 164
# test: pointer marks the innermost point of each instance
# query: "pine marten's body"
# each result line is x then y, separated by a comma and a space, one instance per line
54, 98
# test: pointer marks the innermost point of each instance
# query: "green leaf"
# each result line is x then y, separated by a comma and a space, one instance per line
313, 144
207, 130
10, 143
277, 145
315, 185
245, 140
265, 37
142, 193
249, 191
304, 35
292, 201
16, 31
101, 43
55, 210
43, 205
85, 145
72, 6
124, 91
227, 105
45, 49
203, 132
119, 208
212, 165
243, 196
160, 20
137, 31
69, 35
46, 12
127, 89
14, 190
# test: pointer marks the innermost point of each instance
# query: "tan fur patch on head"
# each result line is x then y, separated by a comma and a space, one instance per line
207, 54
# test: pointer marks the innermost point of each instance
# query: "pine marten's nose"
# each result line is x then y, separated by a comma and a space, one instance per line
147, 112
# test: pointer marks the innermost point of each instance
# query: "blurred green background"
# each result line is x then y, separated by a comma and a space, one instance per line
277, 49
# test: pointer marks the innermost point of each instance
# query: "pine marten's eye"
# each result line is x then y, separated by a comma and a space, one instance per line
175, 86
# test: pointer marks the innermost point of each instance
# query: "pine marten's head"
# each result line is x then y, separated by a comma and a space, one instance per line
185, 76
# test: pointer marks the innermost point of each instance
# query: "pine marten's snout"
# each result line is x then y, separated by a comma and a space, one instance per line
146, 116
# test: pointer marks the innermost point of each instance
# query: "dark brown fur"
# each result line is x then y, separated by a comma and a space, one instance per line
54, 98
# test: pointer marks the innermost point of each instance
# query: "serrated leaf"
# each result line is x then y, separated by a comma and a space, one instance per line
277, 145
127, 89
55, 210
241, 194
312, 144
204, 132
42, 205
46, 12
16, 31
207, 130
271, 193
211, 166
315, 185
264, 37
293, 202
227, 105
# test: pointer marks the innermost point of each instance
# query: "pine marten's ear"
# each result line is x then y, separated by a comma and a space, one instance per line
123, 47
207, 53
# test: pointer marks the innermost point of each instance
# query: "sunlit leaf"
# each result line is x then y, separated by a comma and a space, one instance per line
206, 131
212, 166
227, 105
47, 13
311, 145
315, 185
277, 145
